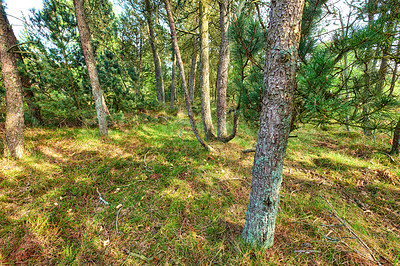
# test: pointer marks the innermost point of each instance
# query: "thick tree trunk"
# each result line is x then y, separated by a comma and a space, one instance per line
14, 127
101, 108
156, 58
204, 72
396, 139
173, 80
222, 74
192, 75
279, 81
182, 75
26, 83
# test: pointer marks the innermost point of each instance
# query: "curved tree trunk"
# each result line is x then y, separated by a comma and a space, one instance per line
204, 72
182, 75
101, 108
279, 81
14, 127
156, 58
222, 74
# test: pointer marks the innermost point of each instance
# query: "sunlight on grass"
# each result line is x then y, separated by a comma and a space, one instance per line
174, 203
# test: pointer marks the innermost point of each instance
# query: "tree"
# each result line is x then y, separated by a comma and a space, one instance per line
14, 126
156, 58
29, 97
182, 74
204, 71
173, 80
222, 74
279, 80
101, 108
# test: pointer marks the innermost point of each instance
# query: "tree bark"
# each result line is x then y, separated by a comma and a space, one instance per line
222, 73
101, 108
173, 80
156, 58
277, 108
182, 75
192, 75
396, 139
204, 72
14, 126
26, 82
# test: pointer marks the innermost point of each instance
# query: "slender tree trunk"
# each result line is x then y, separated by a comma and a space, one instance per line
222, 74
14, 127
182, 74
279, 81
345, 76
101, 108
192, 76
139, 67
156, 58
204, 72
173, 80
396, 139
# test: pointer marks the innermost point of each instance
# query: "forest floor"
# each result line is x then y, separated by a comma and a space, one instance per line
149, 194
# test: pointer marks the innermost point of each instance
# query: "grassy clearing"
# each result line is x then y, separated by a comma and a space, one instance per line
170, 202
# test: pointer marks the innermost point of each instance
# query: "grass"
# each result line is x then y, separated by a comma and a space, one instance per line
174, 203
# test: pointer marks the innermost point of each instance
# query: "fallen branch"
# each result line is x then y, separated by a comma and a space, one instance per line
101, 199
350, 230
307, 251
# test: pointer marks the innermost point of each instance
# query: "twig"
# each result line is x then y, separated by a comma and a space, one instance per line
145, 164
101, 199
307, 251
228, 179
116, 220
248, 150
349, 229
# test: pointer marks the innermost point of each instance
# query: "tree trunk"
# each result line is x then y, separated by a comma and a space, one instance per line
222, 74
182, 75
101, 108
204, 72
173, 80
26, 83
156, 58
279, 81
396, 139
14, 127
139, 67
192, 76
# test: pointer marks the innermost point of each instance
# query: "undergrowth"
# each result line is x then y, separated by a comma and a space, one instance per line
149, 194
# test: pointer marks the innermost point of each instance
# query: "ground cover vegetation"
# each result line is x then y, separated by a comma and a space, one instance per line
228, 132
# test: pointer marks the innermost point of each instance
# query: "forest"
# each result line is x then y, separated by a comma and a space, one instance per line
200, 132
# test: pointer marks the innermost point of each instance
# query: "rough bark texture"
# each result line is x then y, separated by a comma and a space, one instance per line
26, 82
182, 75
279, 77
396, 139
173, 80
156, 58
14, 127
222, 74
192, 76
101, 108
204, 72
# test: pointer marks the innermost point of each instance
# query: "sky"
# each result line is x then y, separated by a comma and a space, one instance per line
17, 9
